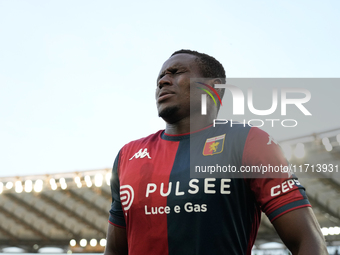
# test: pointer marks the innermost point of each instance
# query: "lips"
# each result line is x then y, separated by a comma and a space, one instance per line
164, 95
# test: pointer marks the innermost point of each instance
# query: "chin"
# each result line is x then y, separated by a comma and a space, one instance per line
169, 113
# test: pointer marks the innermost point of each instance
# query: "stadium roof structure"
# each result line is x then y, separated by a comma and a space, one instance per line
70, 210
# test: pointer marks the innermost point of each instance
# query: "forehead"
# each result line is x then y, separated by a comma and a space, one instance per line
180, 60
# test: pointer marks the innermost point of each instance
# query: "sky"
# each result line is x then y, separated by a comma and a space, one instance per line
78, 78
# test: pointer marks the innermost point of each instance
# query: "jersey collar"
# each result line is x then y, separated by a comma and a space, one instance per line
181, 137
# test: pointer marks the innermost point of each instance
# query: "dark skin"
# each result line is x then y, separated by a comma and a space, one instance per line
174, 81
116, 241
300, 232
298, 229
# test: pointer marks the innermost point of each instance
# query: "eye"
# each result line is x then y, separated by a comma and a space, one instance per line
173, 71
179, 72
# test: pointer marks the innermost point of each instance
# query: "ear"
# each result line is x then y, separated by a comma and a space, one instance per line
218, 81
214, 81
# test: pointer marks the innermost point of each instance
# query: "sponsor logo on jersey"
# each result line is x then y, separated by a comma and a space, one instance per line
126, 196
214, 145
271, 139
141, 154
284, 187
210, 186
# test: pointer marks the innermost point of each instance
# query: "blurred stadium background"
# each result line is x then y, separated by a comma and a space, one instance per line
69, 211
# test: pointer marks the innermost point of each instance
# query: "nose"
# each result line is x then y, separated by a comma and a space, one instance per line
164, 81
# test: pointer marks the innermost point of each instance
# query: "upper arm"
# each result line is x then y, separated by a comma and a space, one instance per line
276, 192
116, 233
300, 232
116, 241
116, 211
282, 197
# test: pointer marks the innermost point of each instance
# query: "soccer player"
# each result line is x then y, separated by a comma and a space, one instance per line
157, 208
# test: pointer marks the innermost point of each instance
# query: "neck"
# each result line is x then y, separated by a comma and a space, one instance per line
189, 124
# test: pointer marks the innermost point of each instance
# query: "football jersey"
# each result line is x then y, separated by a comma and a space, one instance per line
167, 211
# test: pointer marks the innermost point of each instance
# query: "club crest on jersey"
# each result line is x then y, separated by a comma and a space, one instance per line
214, 145
141, 154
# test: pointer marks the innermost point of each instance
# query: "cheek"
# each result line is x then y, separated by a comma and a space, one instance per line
184, 85
156, 92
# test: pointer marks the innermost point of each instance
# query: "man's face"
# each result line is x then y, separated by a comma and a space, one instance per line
173, 87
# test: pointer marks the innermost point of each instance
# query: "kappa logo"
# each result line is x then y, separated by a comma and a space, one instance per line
214, 145
271, 139
141, 154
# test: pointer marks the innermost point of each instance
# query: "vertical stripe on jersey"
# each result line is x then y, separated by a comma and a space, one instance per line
226, 226
147, 231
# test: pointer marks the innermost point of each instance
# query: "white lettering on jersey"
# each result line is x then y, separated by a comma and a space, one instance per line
284, 187
209, 187
162, 189
141, 154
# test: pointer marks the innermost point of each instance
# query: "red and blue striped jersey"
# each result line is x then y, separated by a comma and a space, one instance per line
166, 211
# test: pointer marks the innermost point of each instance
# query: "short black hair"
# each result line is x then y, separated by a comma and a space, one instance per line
208, 65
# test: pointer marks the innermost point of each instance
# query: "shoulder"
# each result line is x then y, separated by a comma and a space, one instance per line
140, 144
242, 133
238, 133
150, 138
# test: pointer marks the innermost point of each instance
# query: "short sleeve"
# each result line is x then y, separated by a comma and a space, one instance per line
276, 192
116, 213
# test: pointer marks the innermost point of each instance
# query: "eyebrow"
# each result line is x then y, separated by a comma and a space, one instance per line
171, 68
